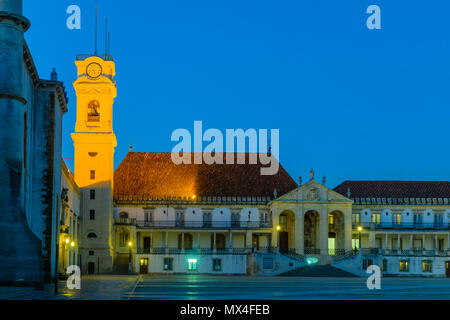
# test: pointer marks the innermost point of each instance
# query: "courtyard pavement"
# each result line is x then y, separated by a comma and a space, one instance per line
284, 288
203, 287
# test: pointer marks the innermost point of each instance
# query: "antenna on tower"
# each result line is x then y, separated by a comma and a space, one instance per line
108, 43
96, 7
106, 37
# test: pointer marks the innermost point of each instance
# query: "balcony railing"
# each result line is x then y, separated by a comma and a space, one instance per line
200, 251
125, 221
414, 252
402, 226
155, 224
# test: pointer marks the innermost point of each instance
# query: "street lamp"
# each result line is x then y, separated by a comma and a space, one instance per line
360, 229
130, 267
278, 237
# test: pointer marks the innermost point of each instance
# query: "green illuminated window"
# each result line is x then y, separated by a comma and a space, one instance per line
192, 264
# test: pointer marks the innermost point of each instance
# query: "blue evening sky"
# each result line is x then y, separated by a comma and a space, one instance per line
352, 103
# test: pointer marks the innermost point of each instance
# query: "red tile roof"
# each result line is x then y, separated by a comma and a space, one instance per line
155, 175
395, 189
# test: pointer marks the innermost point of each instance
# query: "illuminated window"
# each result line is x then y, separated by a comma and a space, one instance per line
404, 266
426, 266
168, 264
192, 264
92, 174
217, 264
376, 218
330, 219
355, 218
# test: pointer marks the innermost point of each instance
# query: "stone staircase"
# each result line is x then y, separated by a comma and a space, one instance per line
318, 271
121, 264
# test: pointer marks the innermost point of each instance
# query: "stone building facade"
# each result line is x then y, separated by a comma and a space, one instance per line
31, 111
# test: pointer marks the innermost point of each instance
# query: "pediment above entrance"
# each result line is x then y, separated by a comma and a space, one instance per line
313, 192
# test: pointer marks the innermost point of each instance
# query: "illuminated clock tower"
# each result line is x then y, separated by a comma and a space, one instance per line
94, 142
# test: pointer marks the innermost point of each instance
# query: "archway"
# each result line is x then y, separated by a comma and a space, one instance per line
336, 233
187, 241
91, 268
220, 241
286, 222
311, 232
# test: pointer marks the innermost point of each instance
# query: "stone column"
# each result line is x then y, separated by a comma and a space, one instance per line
386, 241
166, 242
230, 241
299, 233
323, 235
214, 242
275, 221
411, 242
348, 230
198, 242
248, 239
20, 250
371, 239
182, 242
398, 242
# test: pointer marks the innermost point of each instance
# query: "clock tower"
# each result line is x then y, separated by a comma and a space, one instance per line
94, 143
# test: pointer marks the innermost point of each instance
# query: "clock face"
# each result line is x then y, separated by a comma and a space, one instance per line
94, 70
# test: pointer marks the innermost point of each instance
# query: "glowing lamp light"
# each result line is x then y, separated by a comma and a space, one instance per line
360, 228
312, 260
67, 240
278, 228
129, 244
72, 244
193, 197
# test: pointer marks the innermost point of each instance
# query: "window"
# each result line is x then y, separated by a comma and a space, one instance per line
367, 263
192, 264
426, 266
168, 264
92, 194
384, 266
92, 214
398, 218
217, 264
330, 219
92, 174
123, 215
92, 235
94, 111
404, 266
355, 218
124, 236
91, 252
376, 218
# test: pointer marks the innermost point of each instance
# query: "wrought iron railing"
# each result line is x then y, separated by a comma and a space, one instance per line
402, 225
125, 221
413, 252
200, 251
158, 224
